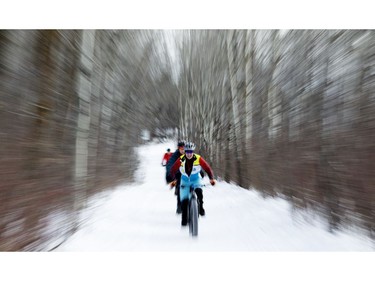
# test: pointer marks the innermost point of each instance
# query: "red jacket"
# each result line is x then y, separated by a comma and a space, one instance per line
166, 157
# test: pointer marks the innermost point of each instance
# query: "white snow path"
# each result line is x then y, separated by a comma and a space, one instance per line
141, 217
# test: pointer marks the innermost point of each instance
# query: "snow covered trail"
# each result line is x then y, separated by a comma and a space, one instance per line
141, 217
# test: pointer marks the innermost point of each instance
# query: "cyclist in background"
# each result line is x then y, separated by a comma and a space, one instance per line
176, 155
166, 157
190, 165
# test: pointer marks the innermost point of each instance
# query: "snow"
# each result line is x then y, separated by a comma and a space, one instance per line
141, 217
133, 233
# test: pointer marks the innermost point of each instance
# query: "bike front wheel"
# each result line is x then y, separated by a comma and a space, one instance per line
193, 216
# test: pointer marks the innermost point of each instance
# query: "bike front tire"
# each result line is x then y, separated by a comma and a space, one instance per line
193, 216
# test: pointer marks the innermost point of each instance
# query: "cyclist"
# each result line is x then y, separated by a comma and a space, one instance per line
166, 157
176, 155
190, 165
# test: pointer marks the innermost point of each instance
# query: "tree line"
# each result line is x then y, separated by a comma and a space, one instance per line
73, 104
289, 113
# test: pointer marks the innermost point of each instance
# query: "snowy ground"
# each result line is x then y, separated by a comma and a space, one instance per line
133, 233
141, 217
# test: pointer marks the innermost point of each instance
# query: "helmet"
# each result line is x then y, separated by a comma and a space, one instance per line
189, 146
168, 149
181, 143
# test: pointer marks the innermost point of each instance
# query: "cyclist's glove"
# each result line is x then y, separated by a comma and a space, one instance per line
173, 184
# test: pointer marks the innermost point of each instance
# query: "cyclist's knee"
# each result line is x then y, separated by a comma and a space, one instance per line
184, 196
199, 191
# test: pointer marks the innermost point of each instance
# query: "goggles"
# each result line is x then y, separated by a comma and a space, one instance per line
189, 151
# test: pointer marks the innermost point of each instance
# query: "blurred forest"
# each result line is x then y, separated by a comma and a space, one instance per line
290, 113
